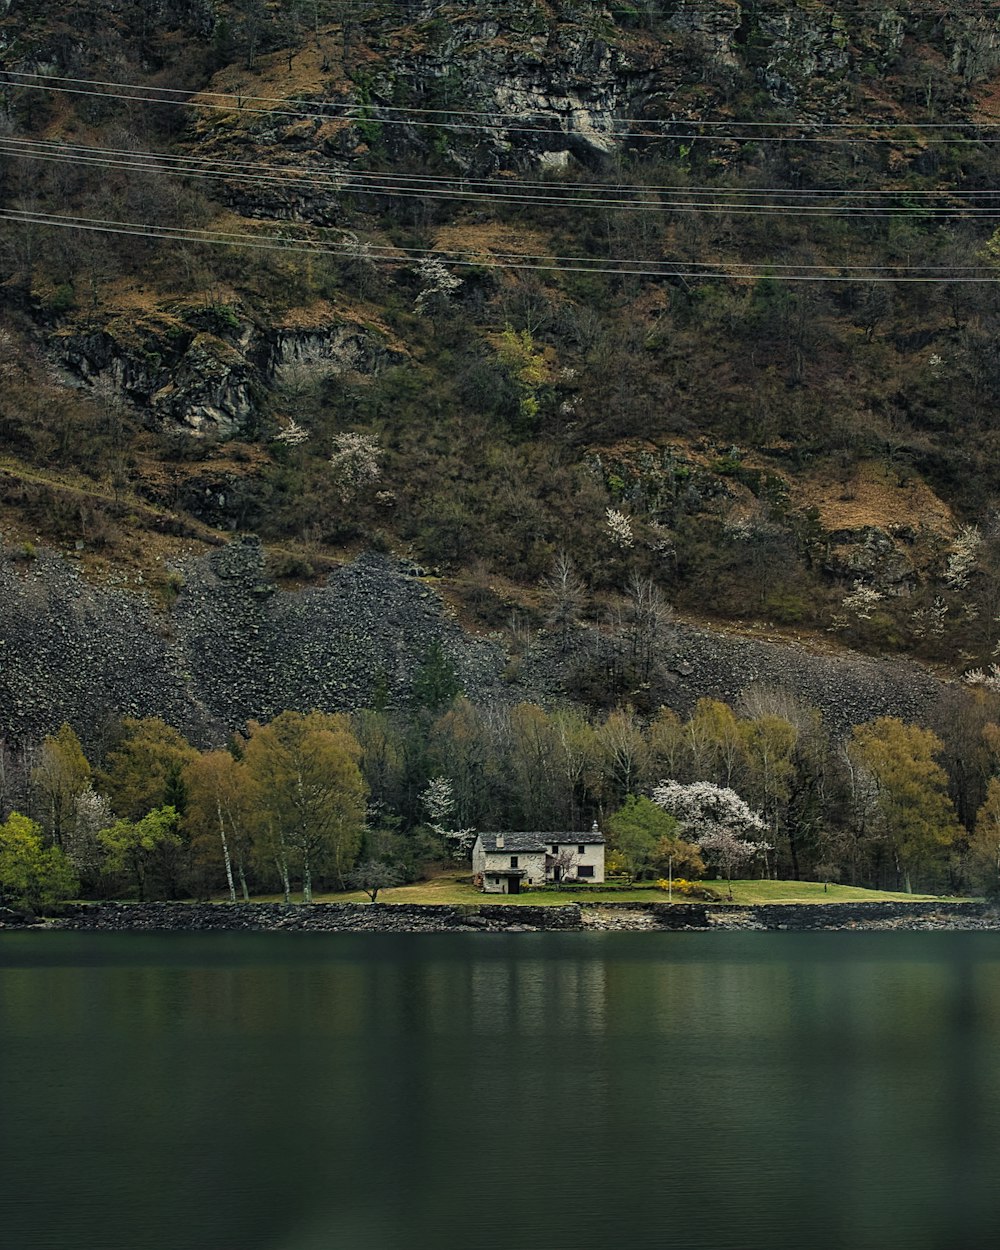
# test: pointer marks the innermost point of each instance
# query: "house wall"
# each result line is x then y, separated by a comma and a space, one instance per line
593, 854
532, 863
478, 857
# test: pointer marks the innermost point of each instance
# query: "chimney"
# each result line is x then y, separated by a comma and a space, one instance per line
499, 841
596, 828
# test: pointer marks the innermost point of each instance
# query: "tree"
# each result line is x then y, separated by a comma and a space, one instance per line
30, 872
143, 770
61, 773
437, 286
647, 620
469, 745
564, 592
985, 844
436, 682
730, 853
769, 744
355, 463
91, 814
374, 875
703, 809
624, 752
578, 753
131, 846
219, 815
533, 758
438, 801
645, 837
309, 794
717, 820
667, 743
911, 792
716, 741
383, 758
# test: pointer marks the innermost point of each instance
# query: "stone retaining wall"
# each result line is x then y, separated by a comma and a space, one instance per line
503, 918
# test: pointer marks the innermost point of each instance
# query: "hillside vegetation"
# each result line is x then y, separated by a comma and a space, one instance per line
547, 297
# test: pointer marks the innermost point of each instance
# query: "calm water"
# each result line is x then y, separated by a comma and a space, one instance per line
530, 1092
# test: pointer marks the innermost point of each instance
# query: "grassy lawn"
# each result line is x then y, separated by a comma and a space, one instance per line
447, 889
750, 892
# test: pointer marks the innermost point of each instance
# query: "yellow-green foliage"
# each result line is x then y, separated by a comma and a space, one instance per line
30, 872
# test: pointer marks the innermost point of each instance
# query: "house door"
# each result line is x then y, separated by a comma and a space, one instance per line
556, 873
513, 885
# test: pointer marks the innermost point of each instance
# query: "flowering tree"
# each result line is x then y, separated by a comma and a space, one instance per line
862, 601
717, 820
355, 460
292, 435
619, 528
437, 285
439, 803
962, 557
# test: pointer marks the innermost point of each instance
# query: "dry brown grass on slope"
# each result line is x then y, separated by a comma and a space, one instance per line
873, 496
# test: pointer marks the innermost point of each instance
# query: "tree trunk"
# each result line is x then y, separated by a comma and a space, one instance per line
307, 881
282, 867
243, 881
225, 853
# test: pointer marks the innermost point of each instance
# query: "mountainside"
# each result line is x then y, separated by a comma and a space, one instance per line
578, 309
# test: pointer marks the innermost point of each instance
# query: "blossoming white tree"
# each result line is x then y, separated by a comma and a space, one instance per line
962, 557
438, 801
437, 285
619, 528
717, 820
355, 460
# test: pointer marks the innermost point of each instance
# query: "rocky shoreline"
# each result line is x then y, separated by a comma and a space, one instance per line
501, 918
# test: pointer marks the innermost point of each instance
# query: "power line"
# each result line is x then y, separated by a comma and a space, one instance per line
486, 185
510, 261
238, 100
752, 201
682, 130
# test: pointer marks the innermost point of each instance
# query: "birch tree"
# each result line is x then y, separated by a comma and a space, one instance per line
220, 816
309, 794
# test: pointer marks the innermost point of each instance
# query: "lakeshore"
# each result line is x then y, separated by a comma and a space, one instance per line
599, 915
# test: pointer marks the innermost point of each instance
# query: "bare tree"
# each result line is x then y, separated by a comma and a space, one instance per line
565, 592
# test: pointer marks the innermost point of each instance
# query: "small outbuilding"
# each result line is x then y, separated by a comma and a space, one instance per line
506, 863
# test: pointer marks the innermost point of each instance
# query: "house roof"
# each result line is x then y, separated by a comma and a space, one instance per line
514, 842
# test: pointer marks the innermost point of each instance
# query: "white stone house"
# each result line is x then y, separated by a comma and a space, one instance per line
506, 863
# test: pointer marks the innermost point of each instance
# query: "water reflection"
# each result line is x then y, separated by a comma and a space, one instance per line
544, 1091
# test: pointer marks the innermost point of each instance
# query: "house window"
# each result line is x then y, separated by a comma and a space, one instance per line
555, 849
585, 870
513, 861
581, 849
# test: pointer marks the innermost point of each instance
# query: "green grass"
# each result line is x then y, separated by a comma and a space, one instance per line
751, 892
449, 890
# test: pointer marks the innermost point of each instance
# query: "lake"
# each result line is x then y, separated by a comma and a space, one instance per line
752, 1091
